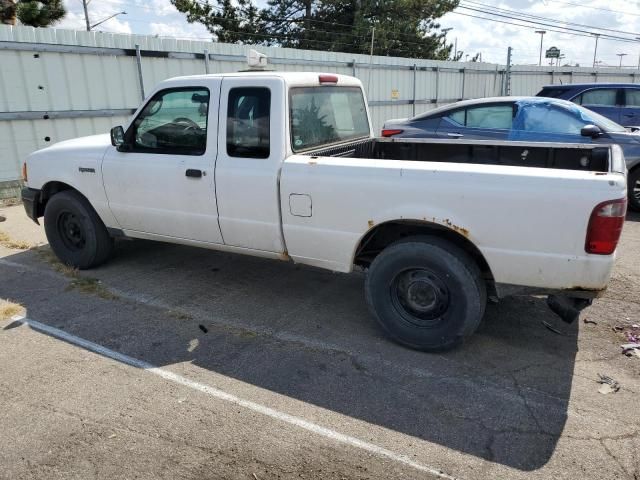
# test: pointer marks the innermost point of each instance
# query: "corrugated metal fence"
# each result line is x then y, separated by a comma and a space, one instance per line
60, 84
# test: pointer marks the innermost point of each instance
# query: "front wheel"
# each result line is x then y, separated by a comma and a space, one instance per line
633, 189
75, 232
426, 293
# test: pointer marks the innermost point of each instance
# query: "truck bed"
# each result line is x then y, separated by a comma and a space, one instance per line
584, 157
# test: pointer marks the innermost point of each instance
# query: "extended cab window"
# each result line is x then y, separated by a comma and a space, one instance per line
173, 122
325, 115
248, 119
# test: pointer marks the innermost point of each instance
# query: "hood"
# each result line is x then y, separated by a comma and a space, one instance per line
85, 143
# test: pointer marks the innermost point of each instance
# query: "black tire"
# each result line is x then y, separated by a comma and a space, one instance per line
426, 293
75, 232
633, 189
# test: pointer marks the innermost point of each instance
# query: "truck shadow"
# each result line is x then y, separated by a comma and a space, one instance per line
306, 334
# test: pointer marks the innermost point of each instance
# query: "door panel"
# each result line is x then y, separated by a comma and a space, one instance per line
251, 150
630, 112
148, 187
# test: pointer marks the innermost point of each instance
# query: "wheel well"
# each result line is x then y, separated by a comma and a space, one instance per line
49, 190
383, 235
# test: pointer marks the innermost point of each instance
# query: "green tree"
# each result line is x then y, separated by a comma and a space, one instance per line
42, 13
405, 28
229, 21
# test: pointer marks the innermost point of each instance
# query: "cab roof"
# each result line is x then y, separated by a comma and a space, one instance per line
290, 78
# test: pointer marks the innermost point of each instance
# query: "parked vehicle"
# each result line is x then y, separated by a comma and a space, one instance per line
284, 166
530, 119
619, 102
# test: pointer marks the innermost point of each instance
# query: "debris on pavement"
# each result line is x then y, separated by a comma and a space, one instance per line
2, 218
608, 384
203, 328
553, 329
631, 349
592, 322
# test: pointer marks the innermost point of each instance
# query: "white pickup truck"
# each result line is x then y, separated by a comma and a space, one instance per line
285, 166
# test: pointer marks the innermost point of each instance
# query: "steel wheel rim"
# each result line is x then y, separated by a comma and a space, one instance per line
420, 296
71, 231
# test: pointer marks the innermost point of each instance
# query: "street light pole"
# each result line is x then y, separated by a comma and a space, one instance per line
595, 50
108, 18
85, 3
541, 32
621, 55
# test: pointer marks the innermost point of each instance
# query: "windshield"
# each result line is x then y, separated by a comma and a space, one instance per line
325, 115
602, 122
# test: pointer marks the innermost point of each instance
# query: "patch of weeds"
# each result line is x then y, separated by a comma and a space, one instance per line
7, 242
9, 309
91, 286
180, 315
46, 255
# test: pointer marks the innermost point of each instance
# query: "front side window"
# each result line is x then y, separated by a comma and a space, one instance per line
327, 114
632, 97
545, 118
248, 122
173, 122
493, 117
601, 96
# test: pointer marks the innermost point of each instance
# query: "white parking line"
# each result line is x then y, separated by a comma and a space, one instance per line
222, 395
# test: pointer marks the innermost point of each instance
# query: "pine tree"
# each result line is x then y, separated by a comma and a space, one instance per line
405, 28
42, 13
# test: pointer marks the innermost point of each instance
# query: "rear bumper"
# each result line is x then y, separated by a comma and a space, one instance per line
31, 202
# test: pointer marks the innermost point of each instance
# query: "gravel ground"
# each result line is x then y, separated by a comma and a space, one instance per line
257, 369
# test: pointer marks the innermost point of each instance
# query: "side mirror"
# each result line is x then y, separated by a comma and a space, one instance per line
117, 136
590, 131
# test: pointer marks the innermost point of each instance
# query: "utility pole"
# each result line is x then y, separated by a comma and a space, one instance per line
621, 55
373, 36
507, 82
595, 50
85, 4
541, 32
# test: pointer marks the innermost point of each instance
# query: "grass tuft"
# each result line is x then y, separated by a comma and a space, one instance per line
9, 309
7, 242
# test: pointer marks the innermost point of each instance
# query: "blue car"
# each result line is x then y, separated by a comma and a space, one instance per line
531, 119
619, 102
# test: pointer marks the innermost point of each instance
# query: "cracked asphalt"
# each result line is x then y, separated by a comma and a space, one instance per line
517, 401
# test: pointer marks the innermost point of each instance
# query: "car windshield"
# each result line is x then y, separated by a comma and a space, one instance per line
602, 122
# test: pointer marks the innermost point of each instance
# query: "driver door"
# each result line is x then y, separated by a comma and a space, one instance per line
161, 181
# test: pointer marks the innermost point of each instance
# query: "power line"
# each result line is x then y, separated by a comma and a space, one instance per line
598, 8
537, 17
606, 37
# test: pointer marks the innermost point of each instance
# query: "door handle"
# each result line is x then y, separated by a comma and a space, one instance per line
193, 173
455, 135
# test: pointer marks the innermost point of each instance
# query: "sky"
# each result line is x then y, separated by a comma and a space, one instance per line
159, 17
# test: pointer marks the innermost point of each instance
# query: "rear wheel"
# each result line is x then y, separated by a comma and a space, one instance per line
634, 189
426, 293
75, 232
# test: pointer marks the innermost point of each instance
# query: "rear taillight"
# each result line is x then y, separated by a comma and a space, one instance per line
390, 132
25, 176
605, 227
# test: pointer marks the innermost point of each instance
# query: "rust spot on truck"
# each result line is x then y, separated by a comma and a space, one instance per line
312, 162
457, 228
371, 223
